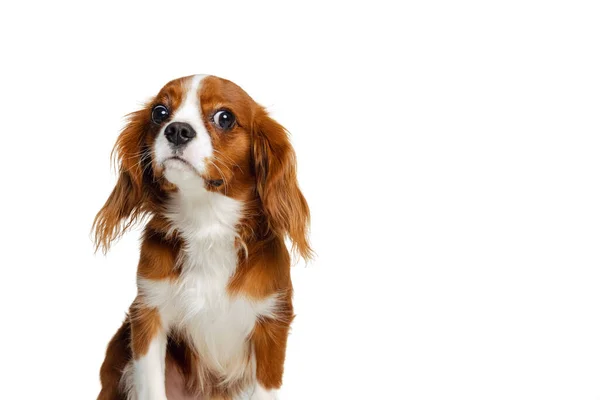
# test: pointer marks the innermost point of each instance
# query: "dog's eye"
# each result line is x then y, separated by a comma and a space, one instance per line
224, 119
159, 114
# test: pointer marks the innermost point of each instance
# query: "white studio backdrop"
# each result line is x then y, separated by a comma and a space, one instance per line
449, 152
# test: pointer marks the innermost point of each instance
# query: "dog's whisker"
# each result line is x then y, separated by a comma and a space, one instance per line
229, 158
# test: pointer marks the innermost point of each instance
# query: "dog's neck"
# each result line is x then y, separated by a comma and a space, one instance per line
204, 217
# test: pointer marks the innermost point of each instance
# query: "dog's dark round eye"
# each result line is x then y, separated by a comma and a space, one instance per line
224, 119
159, 114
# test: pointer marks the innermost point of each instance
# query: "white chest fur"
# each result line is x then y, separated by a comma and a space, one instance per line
198, 303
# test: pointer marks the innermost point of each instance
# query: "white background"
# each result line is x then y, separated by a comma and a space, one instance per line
450, 152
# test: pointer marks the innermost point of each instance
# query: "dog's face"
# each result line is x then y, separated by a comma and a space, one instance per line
205, 133
202, 128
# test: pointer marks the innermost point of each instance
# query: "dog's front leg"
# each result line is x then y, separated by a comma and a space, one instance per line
269, 340
149, 346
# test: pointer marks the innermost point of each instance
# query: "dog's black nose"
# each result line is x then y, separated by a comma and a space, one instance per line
179, 133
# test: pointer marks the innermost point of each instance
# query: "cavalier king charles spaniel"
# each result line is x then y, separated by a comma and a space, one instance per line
214, 179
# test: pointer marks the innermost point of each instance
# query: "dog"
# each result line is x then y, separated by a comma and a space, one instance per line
213, 177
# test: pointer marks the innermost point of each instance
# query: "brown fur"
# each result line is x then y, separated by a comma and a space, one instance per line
257, 164
118, 354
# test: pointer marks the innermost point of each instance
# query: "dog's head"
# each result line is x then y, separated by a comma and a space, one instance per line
204, 133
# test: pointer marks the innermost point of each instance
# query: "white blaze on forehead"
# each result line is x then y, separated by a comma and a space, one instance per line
189, 110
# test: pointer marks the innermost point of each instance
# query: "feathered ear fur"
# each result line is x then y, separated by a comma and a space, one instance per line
275, 167
125, 205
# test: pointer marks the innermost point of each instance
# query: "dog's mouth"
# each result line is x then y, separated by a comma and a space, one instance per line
177, 159
215, 182
179, 162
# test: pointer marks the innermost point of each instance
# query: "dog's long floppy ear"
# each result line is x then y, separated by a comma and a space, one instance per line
125, 205
275, 168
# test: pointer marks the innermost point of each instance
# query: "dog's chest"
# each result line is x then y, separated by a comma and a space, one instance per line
216, 323
198, 303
